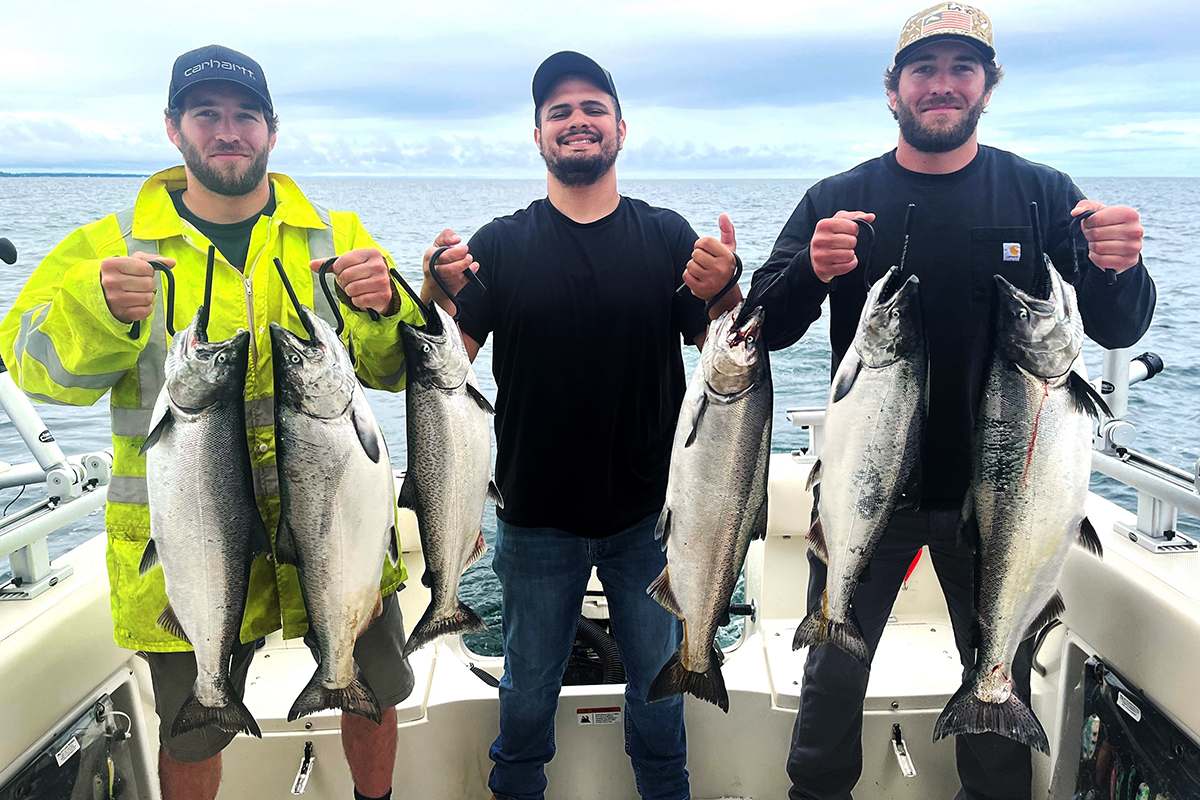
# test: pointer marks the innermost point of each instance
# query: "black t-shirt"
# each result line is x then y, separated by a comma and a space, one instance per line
232, 239
964, 224
587, 360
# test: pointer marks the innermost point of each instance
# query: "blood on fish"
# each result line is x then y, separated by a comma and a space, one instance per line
1033, 439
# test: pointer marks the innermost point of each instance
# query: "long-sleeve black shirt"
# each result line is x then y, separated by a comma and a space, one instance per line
963, 230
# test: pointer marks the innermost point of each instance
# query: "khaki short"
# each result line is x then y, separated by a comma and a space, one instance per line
378, 654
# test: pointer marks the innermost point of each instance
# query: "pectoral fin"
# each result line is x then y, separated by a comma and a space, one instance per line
160, 422
701, 407
367, 430
478, 397
494, 493
846, 374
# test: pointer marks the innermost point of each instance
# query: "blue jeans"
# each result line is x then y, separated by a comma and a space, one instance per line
543, 573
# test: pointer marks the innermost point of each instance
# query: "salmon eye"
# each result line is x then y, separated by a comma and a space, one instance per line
895, 313
221, 358
295, 358
1023, 314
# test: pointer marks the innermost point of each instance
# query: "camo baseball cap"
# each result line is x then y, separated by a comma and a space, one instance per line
946, 21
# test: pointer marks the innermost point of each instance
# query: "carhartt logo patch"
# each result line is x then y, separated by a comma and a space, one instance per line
1012, 251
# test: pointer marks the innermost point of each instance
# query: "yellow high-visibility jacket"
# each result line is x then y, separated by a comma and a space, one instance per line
62, 345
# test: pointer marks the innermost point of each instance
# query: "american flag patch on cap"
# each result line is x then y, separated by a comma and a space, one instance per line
946, 21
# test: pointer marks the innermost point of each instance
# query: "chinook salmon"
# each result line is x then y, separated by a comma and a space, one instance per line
337, 518
716, 499
870, 463
449, 469
205, 528
1032, 463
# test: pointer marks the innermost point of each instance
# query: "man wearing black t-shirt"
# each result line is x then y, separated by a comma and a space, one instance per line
971, 221
581, 297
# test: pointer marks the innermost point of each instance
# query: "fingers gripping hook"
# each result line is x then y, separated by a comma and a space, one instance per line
1110, 275
135, 330
468, 273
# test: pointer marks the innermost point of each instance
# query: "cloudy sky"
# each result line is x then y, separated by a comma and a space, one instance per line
734, 88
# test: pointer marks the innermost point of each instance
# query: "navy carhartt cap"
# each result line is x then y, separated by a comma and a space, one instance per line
217, 63
568, 62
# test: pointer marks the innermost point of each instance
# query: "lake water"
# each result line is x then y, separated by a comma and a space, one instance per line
405, 214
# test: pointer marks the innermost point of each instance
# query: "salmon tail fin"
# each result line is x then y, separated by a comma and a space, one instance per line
357, 698
966, 713
1090, 540
817, 629
674, 678
231, 718
431, 626
660, 590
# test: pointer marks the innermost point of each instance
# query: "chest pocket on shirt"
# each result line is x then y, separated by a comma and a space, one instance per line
1000, 251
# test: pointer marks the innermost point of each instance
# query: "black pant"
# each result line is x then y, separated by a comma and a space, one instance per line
826, 757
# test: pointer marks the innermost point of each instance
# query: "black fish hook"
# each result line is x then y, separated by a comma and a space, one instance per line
135, 330
867, 232
469, 274
287, 284
206, 308
1110, 275
737, 275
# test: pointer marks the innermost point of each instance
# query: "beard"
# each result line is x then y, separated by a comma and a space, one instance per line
580, 170
944, 140
226, 183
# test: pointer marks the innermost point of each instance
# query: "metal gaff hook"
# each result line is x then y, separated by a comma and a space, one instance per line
333, 303
287, 284
470, 276
135, 330
206, 308
1110, 275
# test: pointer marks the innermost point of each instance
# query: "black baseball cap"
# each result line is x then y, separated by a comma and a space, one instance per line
217, 63
568, 62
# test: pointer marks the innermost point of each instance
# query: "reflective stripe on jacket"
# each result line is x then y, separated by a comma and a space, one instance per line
62, 345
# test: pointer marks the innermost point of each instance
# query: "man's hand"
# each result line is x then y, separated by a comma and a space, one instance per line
129, 285
451, 268
832, 248
1114, 235
363, 276
712, 266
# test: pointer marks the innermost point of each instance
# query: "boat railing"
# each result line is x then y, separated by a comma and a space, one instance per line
75, 486
1163, 490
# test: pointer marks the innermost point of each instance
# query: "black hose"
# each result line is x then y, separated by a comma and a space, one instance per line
595, 637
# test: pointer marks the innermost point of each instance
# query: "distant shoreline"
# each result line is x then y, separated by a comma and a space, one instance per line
74, 175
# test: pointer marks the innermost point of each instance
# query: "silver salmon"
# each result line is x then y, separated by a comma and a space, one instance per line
205, 528
337, 516
448, 478
870, 463
716, 499
1031, 466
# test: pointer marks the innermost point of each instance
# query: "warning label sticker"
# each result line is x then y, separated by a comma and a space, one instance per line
598, 716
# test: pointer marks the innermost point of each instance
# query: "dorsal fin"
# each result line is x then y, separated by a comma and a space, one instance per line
149, 558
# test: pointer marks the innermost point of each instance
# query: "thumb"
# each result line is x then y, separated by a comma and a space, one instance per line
727, 235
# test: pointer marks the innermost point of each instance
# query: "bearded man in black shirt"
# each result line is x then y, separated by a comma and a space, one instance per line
581, 296
971, 221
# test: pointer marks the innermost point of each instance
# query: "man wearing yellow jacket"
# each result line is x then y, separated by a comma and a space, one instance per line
91, 320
